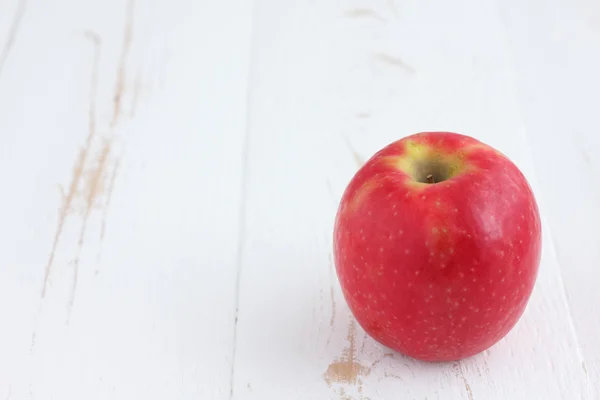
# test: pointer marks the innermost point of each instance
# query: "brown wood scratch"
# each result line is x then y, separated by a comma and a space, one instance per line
94, 181
364, 342
111, 186
64, 212
12, 33
96, 178
332, 292
459, 373
121, 68
95, 39
332, 299
394, 62
346, 369
358, 160
78, 167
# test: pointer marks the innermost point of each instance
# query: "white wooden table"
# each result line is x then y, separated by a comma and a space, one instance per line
170, 172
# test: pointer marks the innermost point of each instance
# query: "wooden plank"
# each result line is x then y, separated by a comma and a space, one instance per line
557, 66
122, 126
333, 83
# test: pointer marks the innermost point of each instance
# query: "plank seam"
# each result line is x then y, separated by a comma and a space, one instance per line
243, 197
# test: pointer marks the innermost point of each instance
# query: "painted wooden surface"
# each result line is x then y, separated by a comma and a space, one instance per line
171, 169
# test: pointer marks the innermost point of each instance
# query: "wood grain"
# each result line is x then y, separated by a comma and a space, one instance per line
138, 118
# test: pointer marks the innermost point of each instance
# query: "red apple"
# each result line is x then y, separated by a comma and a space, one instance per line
437, 243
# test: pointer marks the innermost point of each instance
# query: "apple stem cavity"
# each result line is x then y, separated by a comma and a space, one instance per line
431, 171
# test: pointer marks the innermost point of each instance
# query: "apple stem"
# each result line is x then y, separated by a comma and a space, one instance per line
430, 179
